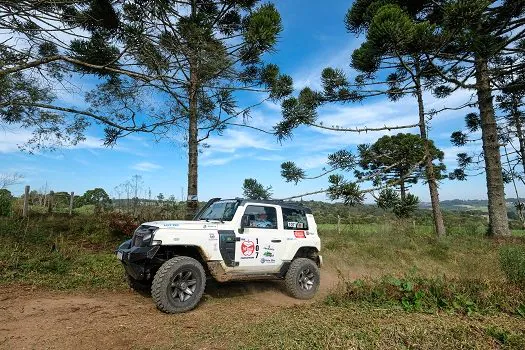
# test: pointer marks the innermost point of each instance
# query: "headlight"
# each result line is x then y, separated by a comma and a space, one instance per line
144, 236
147, 238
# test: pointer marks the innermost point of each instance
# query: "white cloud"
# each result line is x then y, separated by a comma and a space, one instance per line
146, 166
10, 140
219, 160
310, 73
234, 140
271, 158
311, 161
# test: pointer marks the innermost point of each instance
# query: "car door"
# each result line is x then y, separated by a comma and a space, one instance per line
260, 245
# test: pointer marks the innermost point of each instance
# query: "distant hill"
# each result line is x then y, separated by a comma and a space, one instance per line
468, 204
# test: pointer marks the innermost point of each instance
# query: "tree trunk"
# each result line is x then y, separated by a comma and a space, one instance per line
439, 225
519, 129
192, 200
402, 190
498, 222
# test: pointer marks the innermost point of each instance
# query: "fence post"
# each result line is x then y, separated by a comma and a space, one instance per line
71, 203
339, 224
26, 202
50, 202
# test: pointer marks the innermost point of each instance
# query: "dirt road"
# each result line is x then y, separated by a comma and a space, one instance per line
39, 319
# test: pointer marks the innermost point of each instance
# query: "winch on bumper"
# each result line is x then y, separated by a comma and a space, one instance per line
136, 259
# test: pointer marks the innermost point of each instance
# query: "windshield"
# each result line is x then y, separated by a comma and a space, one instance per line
223, 211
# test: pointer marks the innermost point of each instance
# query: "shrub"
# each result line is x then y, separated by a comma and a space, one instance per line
5, 202
512, 261
413, 293
121, 224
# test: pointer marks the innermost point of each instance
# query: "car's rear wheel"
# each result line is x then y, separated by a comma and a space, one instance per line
302, 279
178, 285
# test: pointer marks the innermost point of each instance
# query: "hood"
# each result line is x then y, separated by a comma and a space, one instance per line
185, 225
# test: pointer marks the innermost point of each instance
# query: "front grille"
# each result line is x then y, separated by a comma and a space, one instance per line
137, 240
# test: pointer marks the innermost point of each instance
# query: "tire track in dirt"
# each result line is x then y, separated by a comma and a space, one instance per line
43, 319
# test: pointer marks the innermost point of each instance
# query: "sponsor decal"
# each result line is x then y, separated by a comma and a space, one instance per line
247, 248
299, 234
212, 236
290, 238
268, 254
171, 225
268, 247
247, 257
267, 260
176, 239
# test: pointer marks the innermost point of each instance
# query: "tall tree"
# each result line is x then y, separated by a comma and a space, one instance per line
392, 63
474, 38
395, 45
208, 55
252, 189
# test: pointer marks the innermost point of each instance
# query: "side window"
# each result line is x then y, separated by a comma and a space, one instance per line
294, 219
261, 217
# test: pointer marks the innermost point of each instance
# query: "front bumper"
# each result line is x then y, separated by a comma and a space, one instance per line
136, 260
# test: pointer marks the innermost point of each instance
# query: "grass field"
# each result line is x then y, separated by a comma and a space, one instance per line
466, 302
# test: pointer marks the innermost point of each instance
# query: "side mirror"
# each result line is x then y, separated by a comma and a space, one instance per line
245, 222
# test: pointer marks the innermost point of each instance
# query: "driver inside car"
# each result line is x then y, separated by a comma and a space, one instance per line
261, 220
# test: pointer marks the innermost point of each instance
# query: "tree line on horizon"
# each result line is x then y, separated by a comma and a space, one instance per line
201, 56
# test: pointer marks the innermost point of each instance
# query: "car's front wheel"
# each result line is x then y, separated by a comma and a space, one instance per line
302, 279
178, 285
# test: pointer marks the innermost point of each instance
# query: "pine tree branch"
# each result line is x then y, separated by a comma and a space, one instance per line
45, 60
365, 129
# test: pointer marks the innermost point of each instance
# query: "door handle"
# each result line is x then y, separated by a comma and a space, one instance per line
276, 241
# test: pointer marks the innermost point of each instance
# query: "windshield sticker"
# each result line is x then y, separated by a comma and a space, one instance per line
299, 225
292, 224
299, 234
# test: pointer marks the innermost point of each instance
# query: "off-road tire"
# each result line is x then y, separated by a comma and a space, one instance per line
170, 273
138, 286
295, 282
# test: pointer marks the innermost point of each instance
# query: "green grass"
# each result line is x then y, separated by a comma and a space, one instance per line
378, 250
431, 295
323, 327
518, 233
59, 252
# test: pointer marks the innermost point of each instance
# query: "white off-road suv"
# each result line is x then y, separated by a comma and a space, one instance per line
229, 239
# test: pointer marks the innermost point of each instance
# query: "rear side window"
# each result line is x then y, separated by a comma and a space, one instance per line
294, 219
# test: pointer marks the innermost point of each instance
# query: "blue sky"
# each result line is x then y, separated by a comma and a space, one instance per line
314, 37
